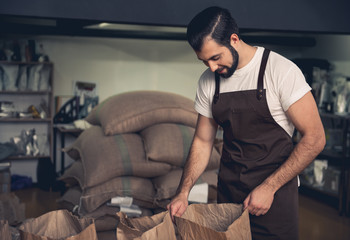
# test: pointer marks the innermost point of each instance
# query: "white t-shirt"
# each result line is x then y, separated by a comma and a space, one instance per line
283, 80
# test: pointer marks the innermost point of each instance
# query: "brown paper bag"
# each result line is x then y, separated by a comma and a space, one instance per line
5, 233
58, 225
11, 209
214, 221
156, 227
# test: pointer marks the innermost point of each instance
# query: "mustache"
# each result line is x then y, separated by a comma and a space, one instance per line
220, 69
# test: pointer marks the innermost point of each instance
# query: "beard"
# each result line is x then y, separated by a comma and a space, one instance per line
233, 67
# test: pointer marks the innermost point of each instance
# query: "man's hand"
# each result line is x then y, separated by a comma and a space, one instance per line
259, 200
178, 206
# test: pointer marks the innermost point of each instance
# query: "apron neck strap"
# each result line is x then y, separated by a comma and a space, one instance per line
217, 87
260, 78
261, 74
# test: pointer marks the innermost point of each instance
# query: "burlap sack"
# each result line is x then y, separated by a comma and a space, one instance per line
106, 223
167, 184
133, 111
74, 175
106, 157
70, 199
225, 221
156, 227
170, 143
59, 225
140, 189
107, 235
218, 145
5, 233
106, 217
5, 173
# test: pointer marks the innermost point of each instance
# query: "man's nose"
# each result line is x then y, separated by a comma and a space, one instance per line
213, 66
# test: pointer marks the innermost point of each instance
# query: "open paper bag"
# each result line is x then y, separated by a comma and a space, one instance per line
11, 208
5, 233
199, 222
58, 225
214, 221
156, 227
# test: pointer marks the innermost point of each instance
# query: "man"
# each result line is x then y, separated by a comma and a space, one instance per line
257, 97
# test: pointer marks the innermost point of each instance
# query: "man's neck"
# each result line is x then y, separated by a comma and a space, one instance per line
246, 53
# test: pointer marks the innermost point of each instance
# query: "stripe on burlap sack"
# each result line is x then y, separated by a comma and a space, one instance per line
170, 143
106, 157
124, 153
140, 189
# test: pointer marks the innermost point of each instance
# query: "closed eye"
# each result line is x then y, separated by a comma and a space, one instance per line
213, 58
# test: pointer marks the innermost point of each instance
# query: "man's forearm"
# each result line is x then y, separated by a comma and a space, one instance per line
303, 154
197, 161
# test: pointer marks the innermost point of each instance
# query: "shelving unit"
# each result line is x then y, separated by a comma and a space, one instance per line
22, 120
9, 126
335, 183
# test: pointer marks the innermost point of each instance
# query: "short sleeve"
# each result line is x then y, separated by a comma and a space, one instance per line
293, 87
204, 95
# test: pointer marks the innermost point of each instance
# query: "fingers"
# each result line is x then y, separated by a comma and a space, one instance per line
173, 212
259, 201
257, 210
253, 208
176, 209
246, 202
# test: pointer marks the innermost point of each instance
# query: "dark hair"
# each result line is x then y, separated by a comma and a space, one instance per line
214, 22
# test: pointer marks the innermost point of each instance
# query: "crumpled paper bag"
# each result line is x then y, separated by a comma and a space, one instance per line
156, 227
58, 225
11, 209
214, 221
5, 233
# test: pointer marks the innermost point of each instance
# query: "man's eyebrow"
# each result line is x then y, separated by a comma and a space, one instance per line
217, 55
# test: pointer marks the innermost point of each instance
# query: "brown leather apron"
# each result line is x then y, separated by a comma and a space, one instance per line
254, 147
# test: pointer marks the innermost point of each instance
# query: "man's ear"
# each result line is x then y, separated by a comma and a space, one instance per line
234, 39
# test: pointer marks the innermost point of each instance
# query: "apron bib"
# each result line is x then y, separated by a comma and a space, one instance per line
254, 147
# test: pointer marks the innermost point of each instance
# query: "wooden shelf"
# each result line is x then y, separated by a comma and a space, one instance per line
28, 92
12, 123
320, 189
337, 156
24, 63
25, 157
23, 120
335, 116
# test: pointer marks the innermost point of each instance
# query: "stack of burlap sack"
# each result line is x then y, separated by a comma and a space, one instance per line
137, 147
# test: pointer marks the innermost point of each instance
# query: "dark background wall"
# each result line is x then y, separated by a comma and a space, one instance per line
276, 15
